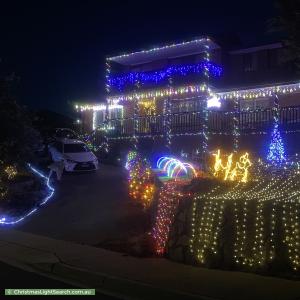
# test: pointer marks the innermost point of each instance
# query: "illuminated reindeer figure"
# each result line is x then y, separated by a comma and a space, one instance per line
239, 172
243, 166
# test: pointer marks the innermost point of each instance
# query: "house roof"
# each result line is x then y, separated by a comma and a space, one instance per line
257, 48
169, 51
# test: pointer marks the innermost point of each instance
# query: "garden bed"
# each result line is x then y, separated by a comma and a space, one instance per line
26, 191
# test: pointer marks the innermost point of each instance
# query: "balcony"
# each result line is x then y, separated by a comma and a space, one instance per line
191, 123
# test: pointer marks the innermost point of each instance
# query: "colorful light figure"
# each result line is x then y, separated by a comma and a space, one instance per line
242, 167
13, 221
174, 167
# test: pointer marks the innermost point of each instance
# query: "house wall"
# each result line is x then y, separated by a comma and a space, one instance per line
256, 145
256, 67
87, 120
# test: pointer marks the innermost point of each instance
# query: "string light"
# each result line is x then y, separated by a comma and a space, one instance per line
151, 136
205, 113
229, 171
168, 116
6, 220
141, 185
120, 81
235, 131
158, 93
174, 167
276, 153
11, 172
169, 197
246, 94
252, 248
214, 101
97, 107
135, 125
198, 42
130, 159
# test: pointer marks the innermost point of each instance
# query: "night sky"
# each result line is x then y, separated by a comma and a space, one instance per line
58, 48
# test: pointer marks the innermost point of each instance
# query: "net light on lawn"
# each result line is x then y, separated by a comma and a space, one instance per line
255, 237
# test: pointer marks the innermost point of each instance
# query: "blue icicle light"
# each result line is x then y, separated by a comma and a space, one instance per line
154, 77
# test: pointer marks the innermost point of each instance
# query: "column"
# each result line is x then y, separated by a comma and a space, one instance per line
106, 122
205, 111
235, 129
136, 118
168, 117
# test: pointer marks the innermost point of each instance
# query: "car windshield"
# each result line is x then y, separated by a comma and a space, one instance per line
75, 148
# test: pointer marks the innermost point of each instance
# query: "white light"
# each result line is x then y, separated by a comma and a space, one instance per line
214, 101
94, 119
100, 107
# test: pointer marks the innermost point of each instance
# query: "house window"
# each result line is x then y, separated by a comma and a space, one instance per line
262, 104
249, 64
246, 105
272, 58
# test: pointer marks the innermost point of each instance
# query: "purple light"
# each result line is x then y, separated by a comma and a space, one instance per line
120, 81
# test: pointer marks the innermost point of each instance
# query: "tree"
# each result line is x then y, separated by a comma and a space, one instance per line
18, 139
288, 22
276, 154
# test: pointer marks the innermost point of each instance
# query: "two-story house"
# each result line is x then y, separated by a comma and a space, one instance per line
196, 88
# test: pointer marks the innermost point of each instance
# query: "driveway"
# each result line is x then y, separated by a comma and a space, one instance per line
88, 208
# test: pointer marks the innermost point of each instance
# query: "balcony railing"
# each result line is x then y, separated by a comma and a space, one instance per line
219, 122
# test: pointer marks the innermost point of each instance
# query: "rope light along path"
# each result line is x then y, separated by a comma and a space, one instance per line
51, 190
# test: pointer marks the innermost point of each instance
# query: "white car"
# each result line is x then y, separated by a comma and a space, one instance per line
75, 154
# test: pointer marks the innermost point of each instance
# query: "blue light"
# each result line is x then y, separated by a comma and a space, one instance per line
120, 81
13, 221
276, 153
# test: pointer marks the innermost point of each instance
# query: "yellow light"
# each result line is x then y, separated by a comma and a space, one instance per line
237, 173
11, 172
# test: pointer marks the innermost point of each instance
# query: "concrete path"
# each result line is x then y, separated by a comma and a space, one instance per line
136, 278
15, 278
88, 208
